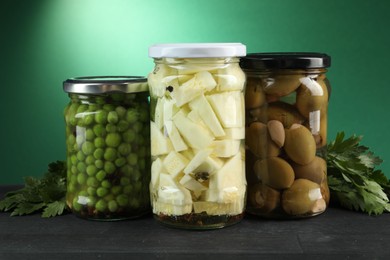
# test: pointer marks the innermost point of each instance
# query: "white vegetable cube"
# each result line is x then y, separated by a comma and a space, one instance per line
190, 183
174, 135
157, 168
174, 163
205, 80
230, 78
160, 144
159, 113
228, 184
204, 110
226, 148
210, 165
235, 133
186, 92
228, 106
171, 192
199, 158
194, 134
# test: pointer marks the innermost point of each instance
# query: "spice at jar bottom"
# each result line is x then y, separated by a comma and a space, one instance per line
108, 147
197, 135
286, 102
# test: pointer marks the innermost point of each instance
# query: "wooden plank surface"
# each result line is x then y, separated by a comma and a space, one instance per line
337, 233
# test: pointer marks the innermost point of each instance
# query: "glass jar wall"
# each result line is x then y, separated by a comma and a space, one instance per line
108, 147
286, 105
197, 135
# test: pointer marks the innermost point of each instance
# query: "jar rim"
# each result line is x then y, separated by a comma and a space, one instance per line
105, 84
286, 60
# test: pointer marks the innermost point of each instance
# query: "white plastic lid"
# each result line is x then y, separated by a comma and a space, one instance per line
197, 50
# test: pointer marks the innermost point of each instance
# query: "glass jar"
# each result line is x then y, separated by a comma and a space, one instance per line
197, 135
108, 147
286, 104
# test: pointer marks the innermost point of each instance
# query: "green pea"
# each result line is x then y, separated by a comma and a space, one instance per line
124, 149
82, 108
91, 170
111, 128
120, 162
99, 164
121, 111
88, 148
81, 167
101, 205
93, 107
76, 205
100, 100
90, 159
109, 167
132, 159
89, 134
73, 169
122, 200
81, 178
98, 153
126, 170
137, 127
112, 206
110, 154
91, 191
112, 117
71, 140
88, 119
129, 136
144, 115
125, 181
99, 142
92, 200
116, 190
92, 182
101, 192
101, 175
131, 116
136, 176
73, 159
113, 139
128, 189
99, 130
122, 126
108, 107
101, 117
106, 184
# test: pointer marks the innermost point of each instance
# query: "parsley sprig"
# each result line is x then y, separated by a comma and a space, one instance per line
352, 178
46, 194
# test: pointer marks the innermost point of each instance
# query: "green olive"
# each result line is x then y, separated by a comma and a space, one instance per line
281, 85
314, 171
263, 198
254, 94
285, 113
259, 141
311, 97
301, 197
300, 145
275, 172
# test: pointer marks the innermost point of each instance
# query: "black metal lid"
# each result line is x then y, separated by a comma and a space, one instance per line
285, 60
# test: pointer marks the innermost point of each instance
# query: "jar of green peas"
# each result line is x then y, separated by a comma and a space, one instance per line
108, 147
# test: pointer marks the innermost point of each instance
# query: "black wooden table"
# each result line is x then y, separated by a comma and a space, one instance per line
337, 233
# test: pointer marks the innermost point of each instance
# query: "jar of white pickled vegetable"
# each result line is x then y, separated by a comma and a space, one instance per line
197, 134
108, 147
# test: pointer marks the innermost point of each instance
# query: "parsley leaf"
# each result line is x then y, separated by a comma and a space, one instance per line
46, 195
353, 181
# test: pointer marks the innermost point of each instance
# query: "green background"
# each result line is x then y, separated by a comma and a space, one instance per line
46, 42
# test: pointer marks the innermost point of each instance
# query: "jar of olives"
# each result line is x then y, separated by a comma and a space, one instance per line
197, 135
108, 147
286, 104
